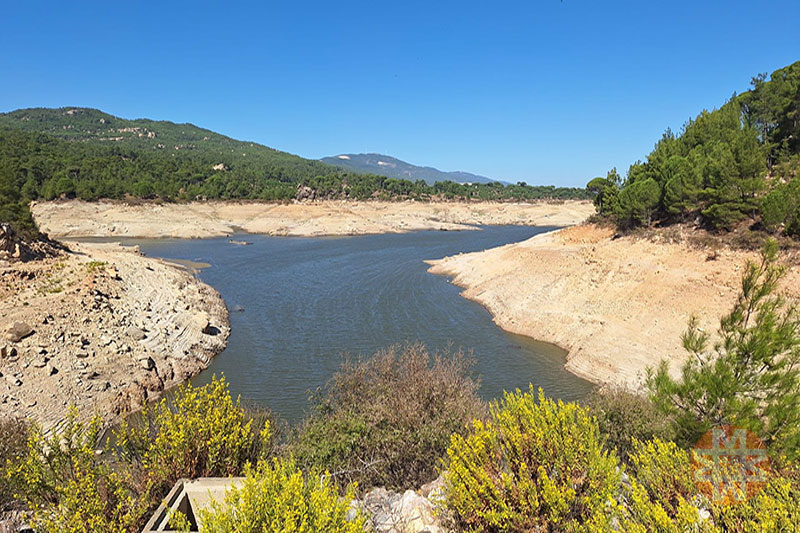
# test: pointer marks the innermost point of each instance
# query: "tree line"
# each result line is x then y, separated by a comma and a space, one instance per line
86, 154
735, 164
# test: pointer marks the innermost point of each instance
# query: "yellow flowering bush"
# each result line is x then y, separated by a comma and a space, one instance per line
201, 432
276, 496
69, 487
532, 465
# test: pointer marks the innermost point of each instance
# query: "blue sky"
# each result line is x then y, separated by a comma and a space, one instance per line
541, 91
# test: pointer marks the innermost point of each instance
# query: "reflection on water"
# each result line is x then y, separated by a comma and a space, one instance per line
299, 304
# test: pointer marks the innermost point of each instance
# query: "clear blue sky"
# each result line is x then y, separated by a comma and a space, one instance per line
541, 90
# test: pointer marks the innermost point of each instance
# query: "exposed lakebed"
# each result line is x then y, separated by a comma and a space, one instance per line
298, 305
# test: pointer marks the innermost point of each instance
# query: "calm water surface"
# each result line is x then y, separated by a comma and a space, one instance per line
309, 301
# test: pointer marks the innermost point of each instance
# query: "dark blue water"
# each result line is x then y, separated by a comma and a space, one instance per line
309, 301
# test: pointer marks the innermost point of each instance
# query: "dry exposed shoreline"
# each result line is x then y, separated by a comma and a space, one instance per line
110, 330
617, 305
216, 219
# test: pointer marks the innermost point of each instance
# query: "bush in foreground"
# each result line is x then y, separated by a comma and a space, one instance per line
532, 465
387, 420
68, 487
625, 417
202, 432
277, 496
13, 436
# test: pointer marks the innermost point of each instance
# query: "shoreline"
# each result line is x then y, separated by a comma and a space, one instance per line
78, 219
111, 330
617, 306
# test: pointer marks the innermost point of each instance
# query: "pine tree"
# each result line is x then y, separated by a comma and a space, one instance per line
751, 376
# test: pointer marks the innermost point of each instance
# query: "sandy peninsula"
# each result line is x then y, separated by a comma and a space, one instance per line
617, 305
103, 328
309, 219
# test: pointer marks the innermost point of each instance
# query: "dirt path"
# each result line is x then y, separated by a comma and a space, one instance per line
618, 306
214, 219
110, 329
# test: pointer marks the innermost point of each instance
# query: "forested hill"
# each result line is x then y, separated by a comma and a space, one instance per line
392, 167
731, 168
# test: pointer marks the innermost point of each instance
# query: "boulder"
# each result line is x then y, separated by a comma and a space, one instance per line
135, 333
147, 363
18, 331
391, 512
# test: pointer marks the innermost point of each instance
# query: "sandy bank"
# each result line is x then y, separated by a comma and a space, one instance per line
111, 329
214, 219
618, 306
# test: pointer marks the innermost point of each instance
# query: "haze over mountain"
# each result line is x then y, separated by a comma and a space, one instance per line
385, 165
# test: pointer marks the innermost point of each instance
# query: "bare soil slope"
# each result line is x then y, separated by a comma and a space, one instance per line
617, 305
214, 219
102, 328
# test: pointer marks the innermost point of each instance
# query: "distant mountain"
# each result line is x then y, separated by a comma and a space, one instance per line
392, 167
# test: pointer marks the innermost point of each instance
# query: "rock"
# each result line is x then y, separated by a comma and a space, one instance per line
12, 380
18, 331
51, 370
390, 512
135, 333
201, 321
40, 363
147, 363
81, 355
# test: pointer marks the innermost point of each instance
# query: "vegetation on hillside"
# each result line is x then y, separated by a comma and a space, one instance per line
733, 164
87, 154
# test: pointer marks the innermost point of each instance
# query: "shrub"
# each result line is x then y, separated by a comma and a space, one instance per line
532, 466
201, 432
13, 439
625, 417
664, 471
70, 488
387, 420
751, 376
775, 508
278, 497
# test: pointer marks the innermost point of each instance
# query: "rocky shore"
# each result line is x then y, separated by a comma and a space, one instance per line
618, 305
308, 219
102, 328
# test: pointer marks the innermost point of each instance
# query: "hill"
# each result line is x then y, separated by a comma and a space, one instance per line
385, 165
75, 152
736, 167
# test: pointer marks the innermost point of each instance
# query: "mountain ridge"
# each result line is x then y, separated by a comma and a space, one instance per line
392, 167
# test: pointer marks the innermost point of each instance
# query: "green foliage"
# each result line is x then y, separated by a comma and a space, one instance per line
69, 487
606, 192
750, 378
88, 154
663, 470
277, 496
531, 466
716, 167
13, 439
387, 420
201, 433
781, 208
626, 417
638, 201
775, 508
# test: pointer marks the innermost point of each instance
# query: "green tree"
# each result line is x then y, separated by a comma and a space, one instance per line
751, 375
639, 201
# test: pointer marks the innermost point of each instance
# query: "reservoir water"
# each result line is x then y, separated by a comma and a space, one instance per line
299, 305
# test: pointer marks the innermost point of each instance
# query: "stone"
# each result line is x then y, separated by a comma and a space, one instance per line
18, 331
201, 321
40, 363
51, 370
81, 355
147, 363
13, 380
135, 333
